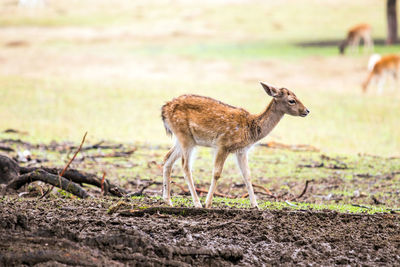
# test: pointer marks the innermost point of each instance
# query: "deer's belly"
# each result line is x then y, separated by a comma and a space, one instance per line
230, 137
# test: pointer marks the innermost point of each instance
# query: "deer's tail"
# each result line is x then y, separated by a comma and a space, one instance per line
164, 119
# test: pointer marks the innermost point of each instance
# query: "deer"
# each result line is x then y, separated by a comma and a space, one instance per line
203, 121
354, 35
379, 68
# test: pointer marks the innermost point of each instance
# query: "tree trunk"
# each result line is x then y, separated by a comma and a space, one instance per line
391, 21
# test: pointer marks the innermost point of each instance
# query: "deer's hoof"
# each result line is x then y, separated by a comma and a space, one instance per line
168, 202
198, 205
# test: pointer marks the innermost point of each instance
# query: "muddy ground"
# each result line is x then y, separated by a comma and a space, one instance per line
76, 232
41, 225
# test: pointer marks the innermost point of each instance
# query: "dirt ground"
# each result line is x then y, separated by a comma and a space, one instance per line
58, 229
82, 233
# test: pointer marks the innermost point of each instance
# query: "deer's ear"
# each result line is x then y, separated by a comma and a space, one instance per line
270, 90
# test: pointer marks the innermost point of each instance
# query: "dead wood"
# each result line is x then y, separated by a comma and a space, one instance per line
71, 258
15, 131
361, 206
102, 183
80, 178
115, 154
339, 166
202, 190
144, 187
387, 176
313, 165
18, 142
258, 193
100, 145
6, 148
376, 201
183, 211
300, 147
42, 175
303, 192
76, 153
9, 169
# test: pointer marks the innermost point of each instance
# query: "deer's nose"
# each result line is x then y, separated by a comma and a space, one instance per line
305, 113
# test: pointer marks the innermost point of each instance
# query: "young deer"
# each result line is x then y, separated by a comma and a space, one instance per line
354, 35
379, 67
197, 120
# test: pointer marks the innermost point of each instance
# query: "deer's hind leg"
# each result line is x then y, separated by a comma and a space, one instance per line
187, 145
368, 43
173, 154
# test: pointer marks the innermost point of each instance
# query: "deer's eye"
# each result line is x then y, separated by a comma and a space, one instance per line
292, 102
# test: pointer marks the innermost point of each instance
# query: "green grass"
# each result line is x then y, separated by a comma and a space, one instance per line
53, 109
112, 84
219, 202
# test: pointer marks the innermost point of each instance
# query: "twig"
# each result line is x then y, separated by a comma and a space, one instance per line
360, 206
299, 147
70, 161
102, 183
202, 190
181, 187
115, 154
48, 191
302, 193
290, 204
244, 195
76, 153
257, 192
140, 192
269, 193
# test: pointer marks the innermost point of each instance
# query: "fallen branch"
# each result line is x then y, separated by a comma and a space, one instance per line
6, 148
184, 211
361, 206
41, 175
300, 147
115, 154
100, 145
47, 191
140, 192
303, 192
80, 178
263, 188
258, 192
202, 190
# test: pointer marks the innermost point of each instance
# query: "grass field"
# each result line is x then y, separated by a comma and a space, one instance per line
107, 68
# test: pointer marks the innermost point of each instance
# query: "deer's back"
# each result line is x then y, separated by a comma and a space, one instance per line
359, 30
386, 63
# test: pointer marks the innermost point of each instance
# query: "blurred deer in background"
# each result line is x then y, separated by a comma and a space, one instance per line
354, 35
379, 68
203, 121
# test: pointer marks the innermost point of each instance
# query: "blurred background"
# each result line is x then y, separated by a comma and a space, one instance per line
107, 67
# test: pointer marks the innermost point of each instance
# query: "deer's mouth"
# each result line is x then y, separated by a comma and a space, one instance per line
305, 113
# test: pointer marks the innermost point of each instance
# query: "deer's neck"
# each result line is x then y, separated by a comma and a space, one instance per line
266, 121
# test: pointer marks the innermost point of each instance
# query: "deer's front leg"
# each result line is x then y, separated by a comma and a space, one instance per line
220, 158
186, 155
244, 169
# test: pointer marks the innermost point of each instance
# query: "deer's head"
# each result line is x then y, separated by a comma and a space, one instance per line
286, 101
